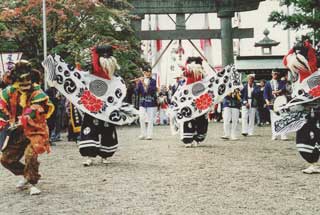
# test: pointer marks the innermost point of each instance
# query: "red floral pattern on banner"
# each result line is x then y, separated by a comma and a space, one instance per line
90, 102
204, 101
315, 92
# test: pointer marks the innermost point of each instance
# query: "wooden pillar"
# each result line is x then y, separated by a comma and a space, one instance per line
226, 37
180, 21
136, 23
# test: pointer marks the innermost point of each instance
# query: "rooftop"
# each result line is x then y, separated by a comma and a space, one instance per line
259, 62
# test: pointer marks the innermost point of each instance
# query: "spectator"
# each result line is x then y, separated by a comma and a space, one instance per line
163, 106
263, 112
249, 100
147, 90
272, 90
231, 112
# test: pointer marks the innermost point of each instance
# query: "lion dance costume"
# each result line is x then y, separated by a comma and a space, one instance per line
99, 138
99, 95
191, 103
302, 62
24, 108
195, 130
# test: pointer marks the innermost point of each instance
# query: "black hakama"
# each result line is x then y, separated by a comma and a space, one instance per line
308, 142
195, 130
98, 138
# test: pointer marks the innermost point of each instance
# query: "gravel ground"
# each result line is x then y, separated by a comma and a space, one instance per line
251, 176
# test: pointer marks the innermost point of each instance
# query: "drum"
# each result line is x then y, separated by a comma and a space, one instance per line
3, 136
12, 135
279, 103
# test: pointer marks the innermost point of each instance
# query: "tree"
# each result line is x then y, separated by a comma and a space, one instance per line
73, 27
306, 14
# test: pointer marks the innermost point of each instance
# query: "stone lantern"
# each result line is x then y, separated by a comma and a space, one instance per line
266, 43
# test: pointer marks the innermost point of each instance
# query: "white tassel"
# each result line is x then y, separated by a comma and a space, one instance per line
196, 69
109, 64
295, 65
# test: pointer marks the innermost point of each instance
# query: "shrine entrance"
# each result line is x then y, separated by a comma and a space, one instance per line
225, 10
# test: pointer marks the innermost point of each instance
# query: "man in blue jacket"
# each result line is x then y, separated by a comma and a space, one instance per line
249, 101
147, 89
274, 88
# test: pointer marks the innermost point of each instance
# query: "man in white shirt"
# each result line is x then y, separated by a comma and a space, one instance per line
249, 103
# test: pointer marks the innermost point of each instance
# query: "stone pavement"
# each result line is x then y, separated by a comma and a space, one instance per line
251, 176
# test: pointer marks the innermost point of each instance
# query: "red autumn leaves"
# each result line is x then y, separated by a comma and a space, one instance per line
90, 102
203, 102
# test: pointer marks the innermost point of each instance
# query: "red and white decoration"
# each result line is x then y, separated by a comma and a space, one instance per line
206, 44
156, 49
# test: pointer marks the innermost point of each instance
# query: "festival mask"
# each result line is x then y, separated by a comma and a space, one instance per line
24, 82
22, 75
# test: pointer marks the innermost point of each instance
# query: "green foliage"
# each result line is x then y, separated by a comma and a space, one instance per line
73, 27
306, 15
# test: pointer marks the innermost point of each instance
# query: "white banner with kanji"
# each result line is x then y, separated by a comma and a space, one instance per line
7, 61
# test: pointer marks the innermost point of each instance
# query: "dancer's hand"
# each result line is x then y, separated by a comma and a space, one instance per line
3, 124
23, 120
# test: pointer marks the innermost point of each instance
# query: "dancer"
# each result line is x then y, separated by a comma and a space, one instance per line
302, 62
99, 138
195, 130
98, 95
24, 108
147, 89
192, 102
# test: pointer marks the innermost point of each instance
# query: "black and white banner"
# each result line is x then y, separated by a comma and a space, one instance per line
287, 122
193, 100
93, 95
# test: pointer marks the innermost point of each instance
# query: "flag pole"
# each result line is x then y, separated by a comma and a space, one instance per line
159, 58
44, 26
314, 31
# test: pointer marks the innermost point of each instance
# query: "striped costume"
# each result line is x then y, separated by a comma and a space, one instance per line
30, 139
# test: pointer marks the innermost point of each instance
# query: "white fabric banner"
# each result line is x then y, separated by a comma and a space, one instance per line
287, 122
206, 44
7, 61
156, 50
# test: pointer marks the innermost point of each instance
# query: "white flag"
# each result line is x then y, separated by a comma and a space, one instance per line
156, 50
7, 61
206, 44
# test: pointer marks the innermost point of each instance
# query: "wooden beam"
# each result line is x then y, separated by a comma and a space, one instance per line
191, 6
241, 33
192, 34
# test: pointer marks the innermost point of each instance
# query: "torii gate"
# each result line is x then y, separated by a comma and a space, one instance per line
224, 8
